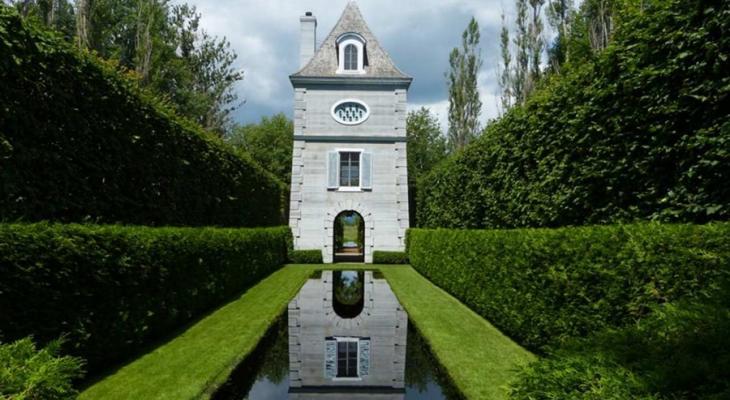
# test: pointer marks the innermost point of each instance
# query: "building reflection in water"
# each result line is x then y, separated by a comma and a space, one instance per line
347, 339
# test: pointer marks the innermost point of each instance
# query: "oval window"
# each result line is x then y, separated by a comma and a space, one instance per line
350, 112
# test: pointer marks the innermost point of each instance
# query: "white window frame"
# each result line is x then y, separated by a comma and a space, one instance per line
339, 339
357, 188
362, 103
359, 42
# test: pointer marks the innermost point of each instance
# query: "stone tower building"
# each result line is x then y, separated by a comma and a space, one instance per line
349, 156
361, 356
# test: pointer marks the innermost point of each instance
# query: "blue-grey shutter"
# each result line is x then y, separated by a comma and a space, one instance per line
367, 171
364, 350
330, 358
333, 161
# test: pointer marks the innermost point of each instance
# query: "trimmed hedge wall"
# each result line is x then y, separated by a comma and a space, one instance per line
390, 257
305, 256
80, 143
112, 289
540, 286
642, 132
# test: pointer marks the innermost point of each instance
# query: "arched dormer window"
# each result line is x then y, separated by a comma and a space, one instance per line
351, 54
351, 57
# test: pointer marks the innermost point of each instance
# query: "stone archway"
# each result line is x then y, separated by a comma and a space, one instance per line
349, 237
329, 223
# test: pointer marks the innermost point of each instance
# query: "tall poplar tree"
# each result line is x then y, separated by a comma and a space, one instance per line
84, 9
518, 82
505, 72
464, 103
522, 57
559, 15
536, 44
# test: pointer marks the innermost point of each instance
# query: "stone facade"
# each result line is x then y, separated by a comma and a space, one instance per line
382, 322
377, 86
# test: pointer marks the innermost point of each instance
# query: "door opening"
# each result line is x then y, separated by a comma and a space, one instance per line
349, 237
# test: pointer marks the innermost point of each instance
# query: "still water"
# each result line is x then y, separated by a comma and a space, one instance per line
345, 336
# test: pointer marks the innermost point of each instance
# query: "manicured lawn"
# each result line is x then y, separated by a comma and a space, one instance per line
477, 357
201, 358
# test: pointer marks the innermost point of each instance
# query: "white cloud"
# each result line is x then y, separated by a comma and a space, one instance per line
418, 34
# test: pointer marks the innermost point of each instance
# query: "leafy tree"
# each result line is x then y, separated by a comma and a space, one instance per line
599, 14
160, 44
518, 82
464, 103
83, 22
505, 75
536, 43
56, 14
166, 48
522, 56
270, 143
426, 147
559, 16
426, 142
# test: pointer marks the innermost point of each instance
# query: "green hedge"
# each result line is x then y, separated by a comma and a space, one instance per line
680, 351
305, 256
390, 257
29, 373
642, 132
541, 286
111, 289
80, 143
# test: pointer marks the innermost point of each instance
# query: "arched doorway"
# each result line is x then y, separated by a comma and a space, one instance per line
348, 297
349, 237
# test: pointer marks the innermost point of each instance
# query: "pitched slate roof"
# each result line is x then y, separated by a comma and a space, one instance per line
324, 61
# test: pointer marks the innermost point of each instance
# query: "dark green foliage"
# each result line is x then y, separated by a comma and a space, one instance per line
79, 143
111, 289
270, 143
640, 132
27, 373
541, 286
305, 256
426, 147
426, 143
578, 376
680, 351
161, 45
56, 14
390, 257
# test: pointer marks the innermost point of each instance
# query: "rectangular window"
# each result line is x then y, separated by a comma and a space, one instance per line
350, 169
347, 359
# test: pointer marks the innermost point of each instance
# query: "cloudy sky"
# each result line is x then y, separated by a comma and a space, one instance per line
418, 34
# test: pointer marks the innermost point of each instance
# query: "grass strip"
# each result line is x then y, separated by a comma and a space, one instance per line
478, 358
194, 363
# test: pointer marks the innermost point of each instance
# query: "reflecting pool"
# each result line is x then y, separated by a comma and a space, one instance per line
345, 336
